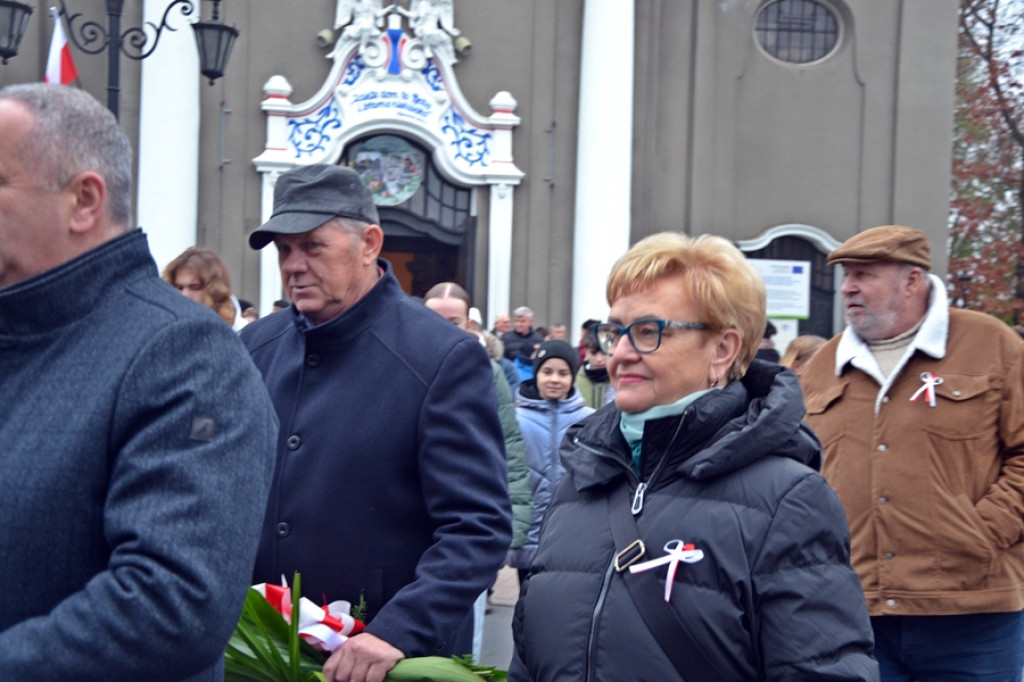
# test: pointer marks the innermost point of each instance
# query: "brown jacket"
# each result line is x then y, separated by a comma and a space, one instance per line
934, 495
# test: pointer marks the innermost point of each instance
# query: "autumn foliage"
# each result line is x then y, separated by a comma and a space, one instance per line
986, 266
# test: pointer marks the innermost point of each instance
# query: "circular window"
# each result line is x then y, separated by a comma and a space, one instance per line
797, 31
391, 167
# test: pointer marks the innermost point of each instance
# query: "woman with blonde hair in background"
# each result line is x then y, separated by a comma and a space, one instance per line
201, 275
800, 351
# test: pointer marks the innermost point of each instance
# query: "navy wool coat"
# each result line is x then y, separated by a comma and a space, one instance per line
391, 477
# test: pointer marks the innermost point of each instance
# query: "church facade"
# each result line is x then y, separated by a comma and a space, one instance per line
520, 146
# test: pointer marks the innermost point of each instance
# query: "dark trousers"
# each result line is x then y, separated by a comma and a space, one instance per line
986, 647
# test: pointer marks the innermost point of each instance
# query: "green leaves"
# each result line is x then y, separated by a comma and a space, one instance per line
438, 669
266, 648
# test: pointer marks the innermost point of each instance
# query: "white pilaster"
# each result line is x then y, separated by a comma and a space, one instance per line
604, 156
168, 184
499, 247
270, 274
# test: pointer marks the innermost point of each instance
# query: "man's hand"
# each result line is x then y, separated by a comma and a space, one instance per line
363, 658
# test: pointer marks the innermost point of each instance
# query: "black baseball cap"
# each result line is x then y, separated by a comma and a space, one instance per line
308, 196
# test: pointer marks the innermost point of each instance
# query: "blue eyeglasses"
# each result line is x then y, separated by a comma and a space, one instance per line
645, 334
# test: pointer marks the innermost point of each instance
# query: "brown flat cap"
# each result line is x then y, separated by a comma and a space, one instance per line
886, 243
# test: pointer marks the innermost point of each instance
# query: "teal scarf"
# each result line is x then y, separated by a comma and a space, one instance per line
632, 425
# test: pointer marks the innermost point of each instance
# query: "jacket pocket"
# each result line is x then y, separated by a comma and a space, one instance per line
963, 553
962, 407
827, 422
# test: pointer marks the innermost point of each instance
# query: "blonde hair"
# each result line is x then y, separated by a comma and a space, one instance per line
801, 349
716, 277
212, 274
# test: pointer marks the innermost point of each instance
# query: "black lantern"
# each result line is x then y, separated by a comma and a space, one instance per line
215, 41
13, 21
138, 42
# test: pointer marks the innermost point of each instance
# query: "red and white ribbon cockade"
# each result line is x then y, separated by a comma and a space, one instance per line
676, 551
930, 382
324, 627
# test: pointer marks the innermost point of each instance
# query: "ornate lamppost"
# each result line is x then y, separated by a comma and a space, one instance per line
13, 21
213, 39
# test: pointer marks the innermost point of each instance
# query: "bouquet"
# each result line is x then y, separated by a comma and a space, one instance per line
282, 637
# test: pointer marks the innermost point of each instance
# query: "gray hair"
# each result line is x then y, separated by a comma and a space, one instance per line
522, 311
73, 133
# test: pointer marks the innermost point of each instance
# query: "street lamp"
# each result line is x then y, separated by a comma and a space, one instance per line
13, 21
213, 39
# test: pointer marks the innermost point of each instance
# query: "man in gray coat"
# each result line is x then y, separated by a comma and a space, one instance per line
136, 438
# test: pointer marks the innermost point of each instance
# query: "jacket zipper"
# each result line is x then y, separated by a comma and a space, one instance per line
636, 508
592, 636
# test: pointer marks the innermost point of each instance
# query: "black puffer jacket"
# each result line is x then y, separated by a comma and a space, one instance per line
774, 597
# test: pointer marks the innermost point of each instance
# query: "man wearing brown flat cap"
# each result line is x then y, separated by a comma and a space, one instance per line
390, 482
921, 412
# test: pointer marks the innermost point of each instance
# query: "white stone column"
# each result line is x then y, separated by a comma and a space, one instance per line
503, 176
274, 160
604, 153
270, 273
499, 246
168, 180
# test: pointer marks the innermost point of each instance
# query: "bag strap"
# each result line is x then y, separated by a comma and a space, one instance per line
661, 619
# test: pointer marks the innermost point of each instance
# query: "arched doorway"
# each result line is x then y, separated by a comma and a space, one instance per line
429, 222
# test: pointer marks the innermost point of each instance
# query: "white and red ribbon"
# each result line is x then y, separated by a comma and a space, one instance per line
324, 627
676, 552
930, 382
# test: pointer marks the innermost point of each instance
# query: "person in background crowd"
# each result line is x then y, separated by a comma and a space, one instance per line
391, 480
921, 409
523, 339
452, 302
502, 325
691, 538
592, 380
557, 332
584, 328
546, 405
280, 304
201, 276
136, 438
766, 349
800, 351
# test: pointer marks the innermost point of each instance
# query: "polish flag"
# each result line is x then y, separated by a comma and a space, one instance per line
60, 68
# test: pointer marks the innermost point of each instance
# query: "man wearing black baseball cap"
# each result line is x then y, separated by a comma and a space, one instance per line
921, 411
390, 481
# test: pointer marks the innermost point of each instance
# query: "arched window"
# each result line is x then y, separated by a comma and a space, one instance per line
797, 31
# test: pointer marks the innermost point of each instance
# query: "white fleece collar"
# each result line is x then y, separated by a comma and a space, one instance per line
930, 339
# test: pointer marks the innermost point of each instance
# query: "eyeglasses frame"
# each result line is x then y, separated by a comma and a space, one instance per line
662, 326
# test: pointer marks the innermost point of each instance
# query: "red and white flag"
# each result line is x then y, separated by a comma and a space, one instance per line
60, 67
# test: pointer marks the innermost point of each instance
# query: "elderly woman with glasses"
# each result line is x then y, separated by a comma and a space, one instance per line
691, 537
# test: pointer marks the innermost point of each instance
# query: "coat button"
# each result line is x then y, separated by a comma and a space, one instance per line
883, 500
885, 399
283, 529
889, 555
890, 602
957, 393
294, 442
312, 360
883, 447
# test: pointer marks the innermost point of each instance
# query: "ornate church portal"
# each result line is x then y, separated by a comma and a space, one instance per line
392, 109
